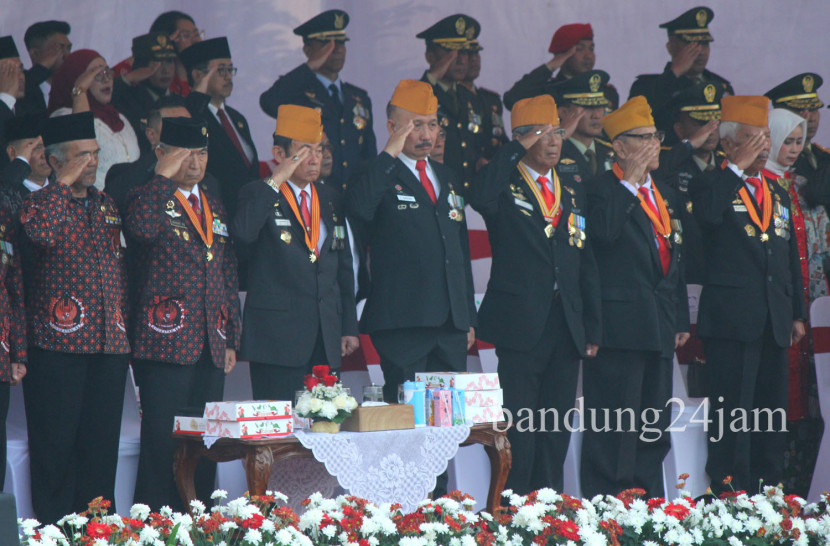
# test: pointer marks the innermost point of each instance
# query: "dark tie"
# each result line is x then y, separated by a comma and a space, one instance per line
662, 245
592, 160
194, 204
335, 96
304, 210
759, 192
421, 166
226, 125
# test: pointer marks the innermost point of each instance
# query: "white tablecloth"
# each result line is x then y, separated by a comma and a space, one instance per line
389, 466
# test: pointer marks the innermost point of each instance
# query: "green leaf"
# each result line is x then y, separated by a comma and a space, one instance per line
171, 540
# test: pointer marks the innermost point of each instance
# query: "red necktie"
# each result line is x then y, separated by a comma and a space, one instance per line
194, 204
421, 166
759, 192
546, 193
304, 210
662, 244
226, 125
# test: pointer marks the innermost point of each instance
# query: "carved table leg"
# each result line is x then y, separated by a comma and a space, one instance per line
185, 461
501, 459
258, 462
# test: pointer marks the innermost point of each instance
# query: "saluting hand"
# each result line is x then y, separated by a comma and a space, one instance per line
682, 61
635, 167
320, 58
569, 119
70, 171
202, 84
137, 75
699, 137
25, 151
744, 154
87, 77
348, 345
170, 163
560, 58
394, 146
440, 70
287, 166
527, 140
10, 77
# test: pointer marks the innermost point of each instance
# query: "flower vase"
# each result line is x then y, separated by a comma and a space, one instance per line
329, 427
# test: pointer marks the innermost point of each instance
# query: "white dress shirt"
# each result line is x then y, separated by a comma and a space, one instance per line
298, 195
410, 164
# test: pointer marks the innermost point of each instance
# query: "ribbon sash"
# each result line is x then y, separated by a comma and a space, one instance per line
311, 239
207, 238
766, 206
551, 214
661, 224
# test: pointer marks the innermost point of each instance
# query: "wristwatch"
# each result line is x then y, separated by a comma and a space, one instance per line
77, 91
688, 144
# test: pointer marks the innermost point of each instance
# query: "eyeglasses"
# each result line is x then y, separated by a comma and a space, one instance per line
658, 136
190, 34
227, 71
104, 75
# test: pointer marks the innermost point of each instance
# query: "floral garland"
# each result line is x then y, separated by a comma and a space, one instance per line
544, 517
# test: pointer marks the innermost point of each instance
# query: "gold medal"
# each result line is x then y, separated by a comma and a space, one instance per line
678, 239
764, 237
571, 241
581, 235
285, 235
312, 257
549, 229
579, 243
185, 236
209, 255
750, 230
689, 207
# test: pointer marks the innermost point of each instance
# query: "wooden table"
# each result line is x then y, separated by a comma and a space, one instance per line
259, 455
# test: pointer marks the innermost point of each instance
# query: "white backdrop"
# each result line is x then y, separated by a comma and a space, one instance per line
758, 43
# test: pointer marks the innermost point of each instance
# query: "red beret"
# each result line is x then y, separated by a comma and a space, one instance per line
568, 36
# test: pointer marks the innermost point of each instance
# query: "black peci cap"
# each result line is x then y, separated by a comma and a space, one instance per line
22, 127
68, 128
204, 51
184, 133
7, 48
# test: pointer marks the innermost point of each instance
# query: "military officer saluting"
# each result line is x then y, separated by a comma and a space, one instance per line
345, 108
798, 95
185, 328
696, 117
448, 49
489, 104
582, 100
688, 45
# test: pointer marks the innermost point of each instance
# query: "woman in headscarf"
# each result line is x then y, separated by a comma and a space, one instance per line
82, 83
810, 229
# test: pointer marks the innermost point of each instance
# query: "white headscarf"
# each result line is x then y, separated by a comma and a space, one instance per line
782, 122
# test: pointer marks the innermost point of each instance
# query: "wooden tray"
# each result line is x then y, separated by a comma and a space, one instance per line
369, 419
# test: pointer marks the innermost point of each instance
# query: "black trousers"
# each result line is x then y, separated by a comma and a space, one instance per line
165, 389
4, 412
542, 378
741, 377
73, 412
613, 457
405, 351
274, 382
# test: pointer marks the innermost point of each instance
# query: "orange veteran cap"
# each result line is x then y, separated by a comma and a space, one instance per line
747, 109
415, 96
539, 110
299, 123
634, 113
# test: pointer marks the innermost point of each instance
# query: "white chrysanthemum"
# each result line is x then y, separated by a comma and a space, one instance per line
351, 403
253, 536
467, 540
73, 520
315, 405
28, 525
311, 519
148, 535
166, 511
140, 511
100, 542
228, 526
412, 541
198, 507
373, 541
328, 410
268, 526
734, 541
329, 531
50, 531
548, 496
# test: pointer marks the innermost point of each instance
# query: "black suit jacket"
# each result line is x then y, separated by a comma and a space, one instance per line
817, 189
747, 280
527, 264
224, 162
574, 163
419, 256
349, 127
33, 101
290, 299
642, 309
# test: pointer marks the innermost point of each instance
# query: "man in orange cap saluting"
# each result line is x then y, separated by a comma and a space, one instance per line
420, 311
542, 308
750, 309
634, 226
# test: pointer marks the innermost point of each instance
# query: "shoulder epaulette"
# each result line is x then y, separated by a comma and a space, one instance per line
354, 87
666, 148
822, 148
603, 142
566, 161
720, 153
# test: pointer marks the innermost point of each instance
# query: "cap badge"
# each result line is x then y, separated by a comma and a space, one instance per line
808, 83
460, 26
339, 21
701, 18
709, 93
204, 131
162, 40
470, 32
594, 82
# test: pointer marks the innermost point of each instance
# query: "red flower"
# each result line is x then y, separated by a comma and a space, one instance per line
677, 511
311, 382
254, 522
655, 503
134, 523
98, 530
731, 494
329, 380
566, 528
727, 480
320, 371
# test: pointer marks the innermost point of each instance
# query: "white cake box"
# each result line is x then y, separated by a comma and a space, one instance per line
484, 399
262, 428
476, 414
248, 410
189, 425
460, 381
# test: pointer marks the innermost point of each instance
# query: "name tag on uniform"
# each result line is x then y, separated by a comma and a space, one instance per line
407, 198
523, 204
739, 208
219, 228
282, 222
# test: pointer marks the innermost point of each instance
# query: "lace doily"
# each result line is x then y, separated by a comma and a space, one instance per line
299, 478
389, 466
